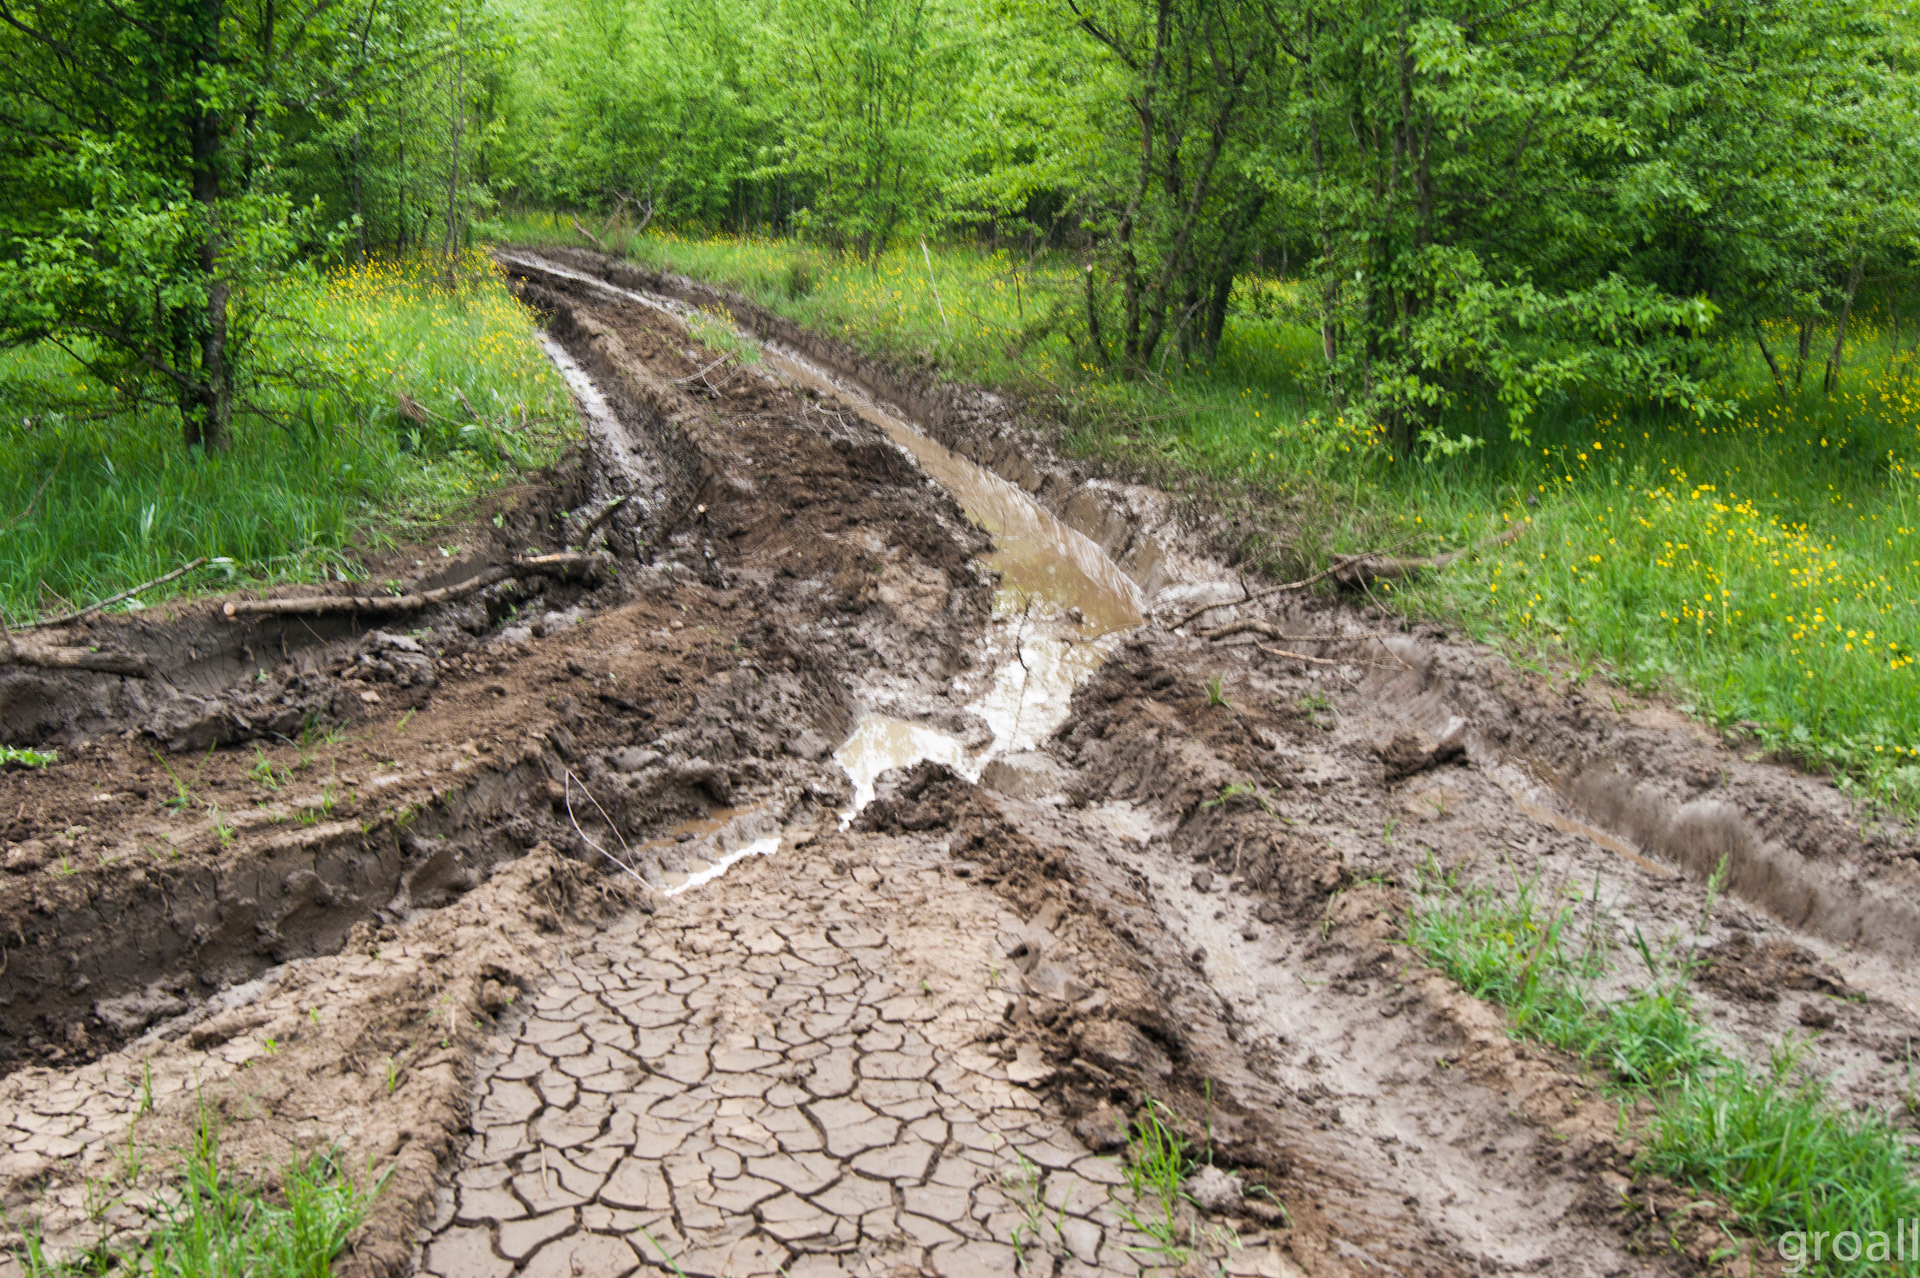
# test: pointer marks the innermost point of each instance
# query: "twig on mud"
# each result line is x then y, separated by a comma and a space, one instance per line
702, 374
568, 785
1272, 631
1366, 568
586, 538
313, 604
1322, 661
1371, 565
90, 609
1301, 584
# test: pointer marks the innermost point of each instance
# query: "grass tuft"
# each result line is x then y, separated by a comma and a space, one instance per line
215, 1224
1769, 1141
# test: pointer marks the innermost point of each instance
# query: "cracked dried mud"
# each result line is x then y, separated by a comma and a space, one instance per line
820, 880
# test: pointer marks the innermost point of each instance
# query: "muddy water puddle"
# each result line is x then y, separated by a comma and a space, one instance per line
1061, 605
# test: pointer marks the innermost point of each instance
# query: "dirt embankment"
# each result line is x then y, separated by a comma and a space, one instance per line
444, 891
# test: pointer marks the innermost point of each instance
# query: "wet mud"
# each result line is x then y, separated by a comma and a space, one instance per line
823, 882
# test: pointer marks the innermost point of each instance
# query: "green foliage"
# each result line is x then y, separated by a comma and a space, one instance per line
111, 500
170, 166
15, 756
1785, 1158
1158, 1160
1512, 950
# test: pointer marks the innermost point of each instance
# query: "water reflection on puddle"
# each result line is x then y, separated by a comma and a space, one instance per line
1028, 696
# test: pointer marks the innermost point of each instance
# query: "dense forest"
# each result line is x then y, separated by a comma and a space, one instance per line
1492, 203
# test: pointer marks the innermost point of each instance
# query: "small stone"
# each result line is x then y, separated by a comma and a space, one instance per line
1214, 1190
1814, 1016
1203, 880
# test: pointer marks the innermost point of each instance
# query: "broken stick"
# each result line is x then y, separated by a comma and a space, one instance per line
593, 525
1271, 631
1255, 596
49, 657
313, 605
110, 600
1364, 568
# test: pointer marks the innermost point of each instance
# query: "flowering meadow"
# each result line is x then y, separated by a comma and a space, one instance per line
104, 497
1760, 568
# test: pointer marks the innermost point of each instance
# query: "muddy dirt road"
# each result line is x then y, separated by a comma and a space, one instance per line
816, 874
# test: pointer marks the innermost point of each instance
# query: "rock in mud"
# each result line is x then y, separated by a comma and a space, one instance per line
1411, 752
809, 745
1030, 774
633, 759
1120, 1048
1214, 1190
1758, 970
131, 1013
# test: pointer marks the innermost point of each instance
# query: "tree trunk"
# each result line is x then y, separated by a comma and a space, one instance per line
1773, 365
207, 408
458, 122
1832, 376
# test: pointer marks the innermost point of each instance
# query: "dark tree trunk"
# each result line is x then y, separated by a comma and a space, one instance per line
207, 405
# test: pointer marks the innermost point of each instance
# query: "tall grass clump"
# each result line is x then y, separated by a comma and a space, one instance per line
215, 1224
413, 397
1767, 1140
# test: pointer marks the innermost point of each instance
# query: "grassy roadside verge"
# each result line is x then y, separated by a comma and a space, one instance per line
97, 498
1762, 570
1766, 1140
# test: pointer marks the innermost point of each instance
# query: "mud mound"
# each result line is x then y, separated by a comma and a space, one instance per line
1758, 970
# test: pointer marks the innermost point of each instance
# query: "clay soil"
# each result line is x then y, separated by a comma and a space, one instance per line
417, 887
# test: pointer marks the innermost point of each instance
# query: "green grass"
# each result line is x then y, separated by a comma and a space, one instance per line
99, 498
1762, 570
1768, 1141
215, 1224
1517, 950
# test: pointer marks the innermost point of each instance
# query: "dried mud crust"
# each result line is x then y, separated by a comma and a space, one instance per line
160, 904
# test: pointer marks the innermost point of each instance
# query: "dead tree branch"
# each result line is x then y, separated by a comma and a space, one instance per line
312, 605
48, 657
90, 609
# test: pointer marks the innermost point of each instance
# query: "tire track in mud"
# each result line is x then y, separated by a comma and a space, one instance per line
898, 1047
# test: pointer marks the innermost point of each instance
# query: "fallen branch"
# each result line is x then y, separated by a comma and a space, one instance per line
586, 538
1271, 631
589, 234
110, 600
1255, 596
1365, 568
48, 657
1358, 570
1321, 661
702, 374
312, 605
